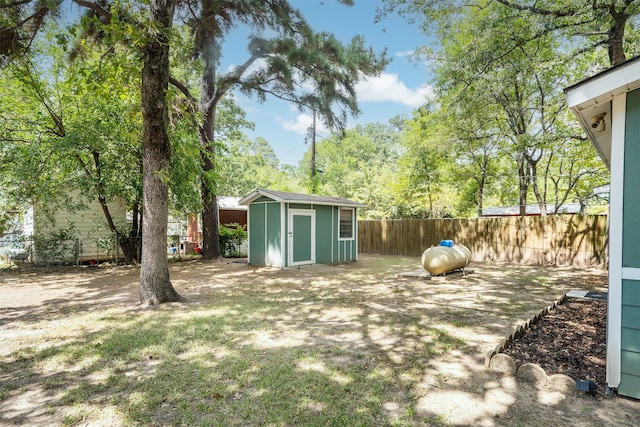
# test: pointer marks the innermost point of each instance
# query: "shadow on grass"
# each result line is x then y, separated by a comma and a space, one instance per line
207, 369
326, 346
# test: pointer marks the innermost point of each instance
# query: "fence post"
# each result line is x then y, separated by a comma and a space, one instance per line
78, 245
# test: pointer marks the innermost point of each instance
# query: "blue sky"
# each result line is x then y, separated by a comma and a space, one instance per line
401, 88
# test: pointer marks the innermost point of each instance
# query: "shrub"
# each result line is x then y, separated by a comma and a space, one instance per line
57, 247
231, 238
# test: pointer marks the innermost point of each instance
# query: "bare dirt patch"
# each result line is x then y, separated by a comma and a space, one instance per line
410, 350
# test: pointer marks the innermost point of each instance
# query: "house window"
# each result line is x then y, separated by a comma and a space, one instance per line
346, 224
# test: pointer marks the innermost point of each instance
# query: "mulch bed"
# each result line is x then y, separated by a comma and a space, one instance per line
571, 339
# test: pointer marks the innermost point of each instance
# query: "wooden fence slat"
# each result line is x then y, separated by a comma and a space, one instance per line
557, 239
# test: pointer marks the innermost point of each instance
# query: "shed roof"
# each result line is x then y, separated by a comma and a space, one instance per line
282, 196
591, 98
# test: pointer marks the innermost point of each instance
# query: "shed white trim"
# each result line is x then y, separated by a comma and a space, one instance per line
614, 300
631, 273
311, 213
248, 240
600, 104
604, 86
313, 199
283, 236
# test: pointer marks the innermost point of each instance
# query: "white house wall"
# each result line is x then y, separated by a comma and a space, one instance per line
89, 225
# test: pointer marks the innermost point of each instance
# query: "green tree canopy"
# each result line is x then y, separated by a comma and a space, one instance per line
359, 164
312, 69
499, 80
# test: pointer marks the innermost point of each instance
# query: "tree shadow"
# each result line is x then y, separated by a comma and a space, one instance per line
325, 345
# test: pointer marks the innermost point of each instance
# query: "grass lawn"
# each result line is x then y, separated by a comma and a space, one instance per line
349, 344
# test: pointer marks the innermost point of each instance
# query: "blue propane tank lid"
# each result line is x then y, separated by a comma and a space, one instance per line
448, 243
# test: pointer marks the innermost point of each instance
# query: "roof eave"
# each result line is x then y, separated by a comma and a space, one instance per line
246, 200
600, 139
592, 97
257, 193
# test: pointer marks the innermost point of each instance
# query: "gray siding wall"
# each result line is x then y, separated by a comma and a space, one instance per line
630, 334
265, 233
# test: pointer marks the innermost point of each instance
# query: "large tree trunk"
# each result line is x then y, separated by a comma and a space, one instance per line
210, 227
615, 45
210, 219
155, 286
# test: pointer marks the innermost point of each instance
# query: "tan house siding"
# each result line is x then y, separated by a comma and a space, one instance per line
89, 225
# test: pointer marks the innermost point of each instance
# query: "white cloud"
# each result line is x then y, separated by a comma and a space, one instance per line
302, 123
388, 87
256, 66
405, 53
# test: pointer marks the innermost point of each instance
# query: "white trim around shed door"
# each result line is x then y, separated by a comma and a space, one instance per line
290, 249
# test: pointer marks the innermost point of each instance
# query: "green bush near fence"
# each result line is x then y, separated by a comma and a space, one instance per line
57, 247
231, 238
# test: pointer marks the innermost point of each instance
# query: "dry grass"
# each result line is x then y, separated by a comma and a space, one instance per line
348, 344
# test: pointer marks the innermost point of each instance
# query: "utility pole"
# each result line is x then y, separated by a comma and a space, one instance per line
313, 155
311, 135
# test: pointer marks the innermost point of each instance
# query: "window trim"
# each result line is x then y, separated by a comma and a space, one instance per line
353, 222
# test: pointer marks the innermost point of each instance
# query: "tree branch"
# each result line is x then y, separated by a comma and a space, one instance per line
225, 83
14, 4
537, 10
96, 8
84, 166
58, 130
182, 88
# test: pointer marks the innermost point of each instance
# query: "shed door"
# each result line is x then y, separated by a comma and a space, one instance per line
302, 236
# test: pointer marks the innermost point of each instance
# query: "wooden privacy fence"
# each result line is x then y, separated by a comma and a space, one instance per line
558, 239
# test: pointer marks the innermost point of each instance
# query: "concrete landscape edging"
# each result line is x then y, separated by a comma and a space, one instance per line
497, 361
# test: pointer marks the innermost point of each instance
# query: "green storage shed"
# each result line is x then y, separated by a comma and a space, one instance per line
290, 229
608, 108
